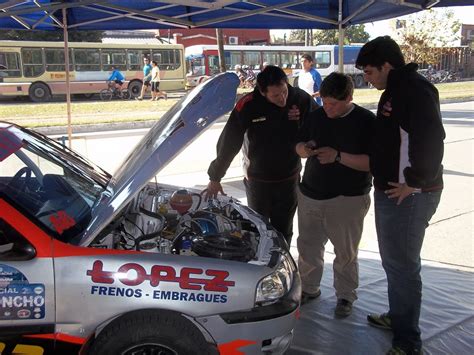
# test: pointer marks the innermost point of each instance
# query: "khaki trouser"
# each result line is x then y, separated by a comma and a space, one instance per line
341, 220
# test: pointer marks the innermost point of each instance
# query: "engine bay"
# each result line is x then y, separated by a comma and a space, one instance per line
169, 221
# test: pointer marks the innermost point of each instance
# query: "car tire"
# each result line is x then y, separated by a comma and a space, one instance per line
39, 92
134, 88
106, 94
148, 331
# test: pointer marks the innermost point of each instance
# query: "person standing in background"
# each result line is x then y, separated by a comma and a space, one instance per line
146, 77
405, 161
155, 83
309, 79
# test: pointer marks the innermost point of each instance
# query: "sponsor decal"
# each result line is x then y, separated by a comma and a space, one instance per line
61, 221
20, 299
131, 275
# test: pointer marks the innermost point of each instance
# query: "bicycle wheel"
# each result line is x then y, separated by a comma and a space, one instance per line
106, 94
126, 94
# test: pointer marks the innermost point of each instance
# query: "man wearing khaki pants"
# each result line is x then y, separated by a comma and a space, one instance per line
333, 196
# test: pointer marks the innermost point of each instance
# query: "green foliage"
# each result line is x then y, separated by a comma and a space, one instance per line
352, 34
74, 36
420, 33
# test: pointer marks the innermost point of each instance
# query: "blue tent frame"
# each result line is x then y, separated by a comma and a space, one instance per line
151, 14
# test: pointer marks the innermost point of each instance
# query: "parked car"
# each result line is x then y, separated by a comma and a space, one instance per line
116, 264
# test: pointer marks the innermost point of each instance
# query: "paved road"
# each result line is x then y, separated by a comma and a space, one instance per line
449, 238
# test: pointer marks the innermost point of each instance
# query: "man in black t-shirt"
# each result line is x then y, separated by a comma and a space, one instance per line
333, 197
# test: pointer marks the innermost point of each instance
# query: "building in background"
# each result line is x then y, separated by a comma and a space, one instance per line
467, 35
190, 37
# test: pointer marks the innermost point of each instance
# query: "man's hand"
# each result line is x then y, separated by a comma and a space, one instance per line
294, 113
400, 191
213, 188
326, 155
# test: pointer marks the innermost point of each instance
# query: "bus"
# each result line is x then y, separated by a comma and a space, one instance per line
37, 69
202, 61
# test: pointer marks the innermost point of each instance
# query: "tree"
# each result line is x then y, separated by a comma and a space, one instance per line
352, 34
420, 33
74, 36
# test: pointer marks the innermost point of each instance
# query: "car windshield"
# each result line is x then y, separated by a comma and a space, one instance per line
52, 185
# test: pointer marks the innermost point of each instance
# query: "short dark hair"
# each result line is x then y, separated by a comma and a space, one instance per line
270, 76
337, 85
379, 51
307, 57
155, 62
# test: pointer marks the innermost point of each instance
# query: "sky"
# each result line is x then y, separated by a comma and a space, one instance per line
465, 14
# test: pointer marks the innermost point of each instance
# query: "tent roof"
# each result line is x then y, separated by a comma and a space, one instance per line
151, 14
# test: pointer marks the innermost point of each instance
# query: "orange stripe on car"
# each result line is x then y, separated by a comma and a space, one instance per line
232, 348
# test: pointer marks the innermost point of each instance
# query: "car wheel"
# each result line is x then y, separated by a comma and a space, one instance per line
151, 332
106, 94
39, 92
134, 88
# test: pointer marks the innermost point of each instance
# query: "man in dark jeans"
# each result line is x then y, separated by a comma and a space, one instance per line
266, 122
405, 160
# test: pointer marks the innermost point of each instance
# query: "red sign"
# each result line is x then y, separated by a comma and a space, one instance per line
216, 282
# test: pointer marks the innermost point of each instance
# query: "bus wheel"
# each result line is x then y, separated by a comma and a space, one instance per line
359, 81
134, 87
151, 332
39, 92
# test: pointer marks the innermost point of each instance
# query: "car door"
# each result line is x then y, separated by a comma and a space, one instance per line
27, 300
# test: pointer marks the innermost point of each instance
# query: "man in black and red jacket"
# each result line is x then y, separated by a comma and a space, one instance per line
405, 160
266, 123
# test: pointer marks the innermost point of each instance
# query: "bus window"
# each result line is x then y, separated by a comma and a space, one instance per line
167, 59
135, 59
322, 59
55, 59
9, 65
289, 59
271, 58
32, 62
87, 59
113, 57
213, 64
235, 58
251, 58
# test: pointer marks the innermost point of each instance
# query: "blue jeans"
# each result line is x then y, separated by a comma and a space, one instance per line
400, 233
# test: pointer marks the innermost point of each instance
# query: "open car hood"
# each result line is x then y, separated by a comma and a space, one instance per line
181, 125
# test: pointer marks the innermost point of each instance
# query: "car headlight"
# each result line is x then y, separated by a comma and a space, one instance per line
278, 283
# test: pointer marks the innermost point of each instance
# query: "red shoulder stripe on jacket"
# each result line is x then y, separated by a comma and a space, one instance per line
241, 103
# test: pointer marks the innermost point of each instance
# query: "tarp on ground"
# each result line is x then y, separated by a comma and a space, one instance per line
150, 14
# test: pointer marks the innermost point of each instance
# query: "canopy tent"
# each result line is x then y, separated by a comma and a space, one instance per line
153, 14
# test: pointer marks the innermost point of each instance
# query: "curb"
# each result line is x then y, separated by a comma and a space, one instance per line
101, 127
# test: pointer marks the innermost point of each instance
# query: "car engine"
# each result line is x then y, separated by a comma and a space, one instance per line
162, 219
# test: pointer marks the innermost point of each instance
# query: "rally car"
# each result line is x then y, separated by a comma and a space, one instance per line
102, 264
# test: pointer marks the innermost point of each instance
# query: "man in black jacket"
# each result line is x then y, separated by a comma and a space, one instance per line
266, 122
405, 160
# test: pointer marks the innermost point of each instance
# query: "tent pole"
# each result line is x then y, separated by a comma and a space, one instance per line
68, 87
220, 49
341, 39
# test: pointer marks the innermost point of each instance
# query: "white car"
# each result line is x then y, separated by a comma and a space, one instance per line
106, 264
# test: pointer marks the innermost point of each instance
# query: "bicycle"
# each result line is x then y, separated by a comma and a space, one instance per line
113, 92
